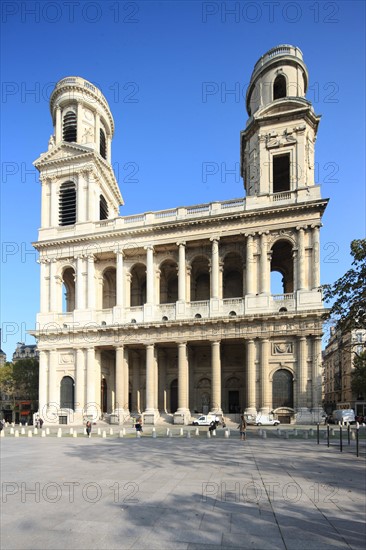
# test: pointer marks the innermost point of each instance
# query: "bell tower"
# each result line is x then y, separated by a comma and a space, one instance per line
277, 145
78, 182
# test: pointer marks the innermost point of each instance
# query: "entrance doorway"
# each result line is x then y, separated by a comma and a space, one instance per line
174, 395
103, 396
234, 406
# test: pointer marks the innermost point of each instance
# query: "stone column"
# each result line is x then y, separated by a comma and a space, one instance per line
264, 265
90, 383
316, 375
120, 379
150, 380
91, 282
45, 203
149, 274
295, 269
215, 264
80, 197
251, 379
120, 279
183, 406
80, 381
58, 129
98, 381
80, 291
45, 286
79, 125
53, 286
249, 266
316, 258
126, 379
43, 383
302, 373
266, 398
53, 390
182, 272
216, 378
127, 292
162, 404
54, 202
301, 259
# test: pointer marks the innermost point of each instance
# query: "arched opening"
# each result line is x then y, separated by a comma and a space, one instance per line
102, 144
168, 282
70, 127
68, 287
109, 288
174, 395
103, 208
233, 276
282, 389
67, 393
279, 87
103, 395
200, 279
138, 285
232, 387
282, 263
67, 203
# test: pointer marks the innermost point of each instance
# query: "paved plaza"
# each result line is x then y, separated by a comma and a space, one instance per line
181, 493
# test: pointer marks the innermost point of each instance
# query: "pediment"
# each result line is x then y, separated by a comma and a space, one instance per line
64, 151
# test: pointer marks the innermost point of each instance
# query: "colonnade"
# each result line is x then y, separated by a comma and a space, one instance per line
257, 270
258, 367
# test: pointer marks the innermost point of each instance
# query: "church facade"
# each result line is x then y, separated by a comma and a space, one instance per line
172, 311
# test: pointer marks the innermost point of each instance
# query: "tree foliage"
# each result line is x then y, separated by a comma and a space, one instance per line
20, 379
349, 293
358, 382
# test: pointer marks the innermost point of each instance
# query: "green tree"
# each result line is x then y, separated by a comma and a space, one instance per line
26, 374
348, 293
358, 375
7, 382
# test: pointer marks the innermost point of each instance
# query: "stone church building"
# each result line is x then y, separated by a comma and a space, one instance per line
172, 312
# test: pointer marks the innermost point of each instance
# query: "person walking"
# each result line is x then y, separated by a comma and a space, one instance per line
88, 428
138, 425
243, 428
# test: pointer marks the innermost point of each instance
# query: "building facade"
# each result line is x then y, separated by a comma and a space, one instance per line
25, 351
172, 312
338, 358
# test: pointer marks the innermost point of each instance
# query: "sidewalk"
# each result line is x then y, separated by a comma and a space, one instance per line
180, 493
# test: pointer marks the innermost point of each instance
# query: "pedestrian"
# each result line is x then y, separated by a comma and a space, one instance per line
88, 428
243, 428
138, 425
41, 423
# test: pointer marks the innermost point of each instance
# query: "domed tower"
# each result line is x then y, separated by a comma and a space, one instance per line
277, 145
78, 182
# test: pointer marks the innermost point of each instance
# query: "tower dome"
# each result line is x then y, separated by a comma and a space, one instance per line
279, 73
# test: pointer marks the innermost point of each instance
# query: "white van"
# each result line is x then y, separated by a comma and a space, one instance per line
343, 416
204, 420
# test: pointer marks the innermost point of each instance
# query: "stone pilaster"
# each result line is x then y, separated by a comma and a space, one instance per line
251, 379
80, 381
182, 415
266, 398
216, 378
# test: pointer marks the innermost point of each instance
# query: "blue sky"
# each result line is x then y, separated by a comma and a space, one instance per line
153, 61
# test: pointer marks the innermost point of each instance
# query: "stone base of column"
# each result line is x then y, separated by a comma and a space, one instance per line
303, 416
150, 417
182, 416
250, 411
318, 415
119, 416
265, 411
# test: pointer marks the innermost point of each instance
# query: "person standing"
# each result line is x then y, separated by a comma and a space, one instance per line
88, 428
243, 428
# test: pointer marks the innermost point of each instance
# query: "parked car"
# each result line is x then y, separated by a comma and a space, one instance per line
266, 420
204, 420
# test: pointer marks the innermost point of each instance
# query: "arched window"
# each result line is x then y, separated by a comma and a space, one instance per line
168, 282
233, 276
138, 285
102, 144
68, 280
67, 393
282, 264
103, 208
279, 87
200, 279
109, 288
282, 389
70, 126
67, 203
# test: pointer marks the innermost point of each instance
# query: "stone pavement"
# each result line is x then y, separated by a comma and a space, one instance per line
179, 493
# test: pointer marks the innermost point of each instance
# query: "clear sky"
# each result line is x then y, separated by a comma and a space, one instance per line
175, 76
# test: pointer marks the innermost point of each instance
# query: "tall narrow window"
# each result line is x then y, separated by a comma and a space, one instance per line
282, 389
69, 130
279, 87
281, 173
103, 208
102, 144
67, 213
